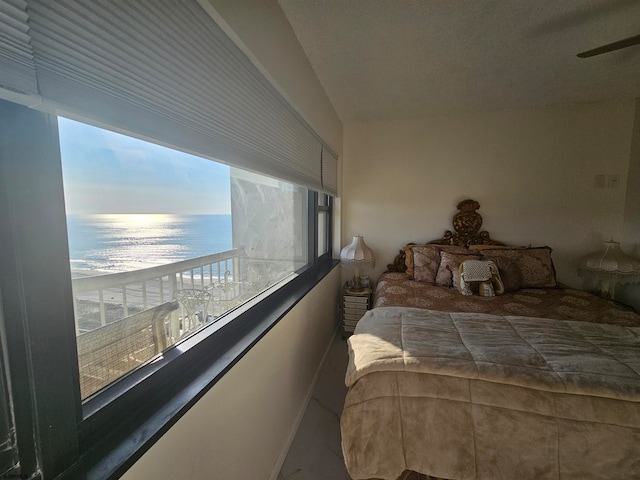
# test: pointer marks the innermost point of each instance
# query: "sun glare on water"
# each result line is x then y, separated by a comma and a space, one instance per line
139, 219
139, 225
134, 241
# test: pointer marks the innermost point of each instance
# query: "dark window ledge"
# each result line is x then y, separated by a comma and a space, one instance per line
155, 403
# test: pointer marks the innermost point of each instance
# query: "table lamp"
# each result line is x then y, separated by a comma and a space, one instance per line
610, 267
357, 255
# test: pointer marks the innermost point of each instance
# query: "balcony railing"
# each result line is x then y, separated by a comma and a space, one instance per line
102, 299
124, 319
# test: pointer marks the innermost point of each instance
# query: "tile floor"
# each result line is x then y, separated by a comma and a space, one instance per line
315, 453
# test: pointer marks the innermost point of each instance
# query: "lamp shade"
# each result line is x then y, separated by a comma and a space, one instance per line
611, 259
357, 255
357, 252
610, 267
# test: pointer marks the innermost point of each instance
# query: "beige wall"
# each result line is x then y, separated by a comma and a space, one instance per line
242, 427
531, 170
630, 294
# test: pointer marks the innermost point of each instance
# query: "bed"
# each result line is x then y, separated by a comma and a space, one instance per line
542, 382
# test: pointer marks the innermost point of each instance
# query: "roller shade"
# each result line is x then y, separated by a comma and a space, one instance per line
17, 72
164, 71
329, 171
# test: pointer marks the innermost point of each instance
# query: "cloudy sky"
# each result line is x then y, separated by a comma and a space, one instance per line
105, 172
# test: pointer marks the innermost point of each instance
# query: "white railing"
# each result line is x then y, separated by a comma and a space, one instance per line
123, 320
101, 299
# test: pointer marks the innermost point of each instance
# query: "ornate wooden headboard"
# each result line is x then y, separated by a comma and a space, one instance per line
466, 225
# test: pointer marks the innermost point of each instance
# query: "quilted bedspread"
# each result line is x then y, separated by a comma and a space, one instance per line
564, 303
480, 396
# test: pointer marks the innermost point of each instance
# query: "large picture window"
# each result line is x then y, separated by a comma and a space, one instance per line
163, 243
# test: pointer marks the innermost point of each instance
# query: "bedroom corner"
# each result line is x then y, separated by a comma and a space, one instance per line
630, 294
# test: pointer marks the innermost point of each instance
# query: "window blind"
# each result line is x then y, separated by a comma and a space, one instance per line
164, 71
329, 171
17, 71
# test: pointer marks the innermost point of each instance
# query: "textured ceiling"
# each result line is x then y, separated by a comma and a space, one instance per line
392, 59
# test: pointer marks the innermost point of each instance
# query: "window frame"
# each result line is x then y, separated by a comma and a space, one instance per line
328, 208
102, 437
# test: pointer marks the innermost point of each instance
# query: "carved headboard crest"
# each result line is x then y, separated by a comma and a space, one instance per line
466, 225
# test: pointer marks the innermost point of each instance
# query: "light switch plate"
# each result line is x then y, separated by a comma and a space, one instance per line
599, 181
614, 180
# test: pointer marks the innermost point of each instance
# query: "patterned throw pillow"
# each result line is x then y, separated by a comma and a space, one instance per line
425, 261
449, 264
422, 261
535, 265
509, 272
478, 248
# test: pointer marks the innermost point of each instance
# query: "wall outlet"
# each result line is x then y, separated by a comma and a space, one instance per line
614, 180
599, 181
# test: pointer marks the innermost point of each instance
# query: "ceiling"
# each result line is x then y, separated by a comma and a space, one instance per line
393, 59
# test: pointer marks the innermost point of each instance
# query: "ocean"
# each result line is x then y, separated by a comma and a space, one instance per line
111, 243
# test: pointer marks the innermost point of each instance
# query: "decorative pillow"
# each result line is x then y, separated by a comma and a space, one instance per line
496, 247
426, 258
449, 263
509, 272
424, 262
535, 265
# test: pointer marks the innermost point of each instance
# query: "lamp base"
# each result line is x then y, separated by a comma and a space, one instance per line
356, 284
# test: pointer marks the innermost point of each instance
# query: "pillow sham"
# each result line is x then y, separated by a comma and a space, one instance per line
427, 259
449, 263
509, 272
424, 260
496, 247
535, 265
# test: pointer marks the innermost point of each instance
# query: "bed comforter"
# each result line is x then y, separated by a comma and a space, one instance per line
481, 396
564, 303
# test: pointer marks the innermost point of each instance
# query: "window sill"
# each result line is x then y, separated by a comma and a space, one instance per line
113, 450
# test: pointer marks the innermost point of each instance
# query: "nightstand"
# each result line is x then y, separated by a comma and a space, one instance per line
354, 306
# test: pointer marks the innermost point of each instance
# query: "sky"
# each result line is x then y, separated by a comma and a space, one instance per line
106, 172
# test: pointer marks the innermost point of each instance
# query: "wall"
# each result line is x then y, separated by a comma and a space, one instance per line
269, 226
630, 294
243, 426
531, 170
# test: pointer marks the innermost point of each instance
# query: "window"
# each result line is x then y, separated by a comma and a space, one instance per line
162, 244
96, 258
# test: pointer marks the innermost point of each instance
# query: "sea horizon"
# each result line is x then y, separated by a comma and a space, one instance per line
102, 243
